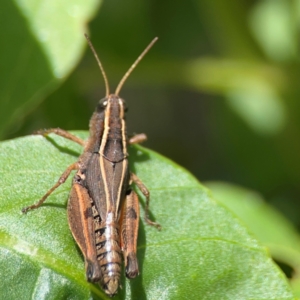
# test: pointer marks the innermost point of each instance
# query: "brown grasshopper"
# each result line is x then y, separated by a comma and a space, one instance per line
103, 210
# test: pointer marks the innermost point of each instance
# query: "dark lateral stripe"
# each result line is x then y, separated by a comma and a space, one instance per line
131, 214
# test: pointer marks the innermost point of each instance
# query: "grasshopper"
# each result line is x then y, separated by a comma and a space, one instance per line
103, 210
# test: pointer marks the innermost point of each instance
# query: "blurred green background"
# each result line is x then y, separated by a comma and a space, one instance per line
218, 93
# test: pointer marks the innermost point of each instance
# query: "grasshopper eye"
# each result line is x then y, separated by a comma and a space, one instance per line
102, 104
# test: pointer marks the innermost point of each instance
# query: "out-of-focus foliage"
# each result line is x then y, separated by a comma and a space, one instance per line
41, 44
219, 93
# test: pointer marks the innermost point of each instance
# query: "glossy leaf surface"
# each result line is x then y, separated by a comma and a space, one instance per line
202, 249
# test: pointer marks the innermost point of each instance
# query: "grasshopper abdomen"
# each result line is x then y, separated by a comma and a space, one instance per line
109, 256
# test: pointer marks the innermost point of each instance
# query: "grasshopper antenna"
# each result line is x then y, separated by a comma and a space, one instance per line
134, 65
99, 64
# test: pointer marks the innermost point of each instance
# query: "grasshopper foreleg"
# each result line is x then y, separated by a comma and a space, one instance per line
62, 133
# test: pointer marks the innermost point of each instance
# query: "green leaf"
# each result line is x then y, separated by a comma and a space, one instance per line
202, 251
268, 225
42, 42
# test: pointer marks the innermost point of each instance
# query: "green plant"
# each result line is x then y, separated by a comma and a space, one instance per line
212, 246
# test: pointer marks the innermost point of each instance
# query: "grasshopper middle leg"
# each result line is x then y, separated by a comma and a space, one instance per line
146, 193
60, 181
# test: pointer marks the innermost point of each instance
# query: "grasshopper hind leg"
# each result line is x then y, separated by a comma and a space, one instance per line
129, 233
81, 222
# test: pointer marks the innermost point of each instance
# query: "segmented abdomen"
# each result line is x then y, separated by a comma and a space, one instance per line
109, 254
